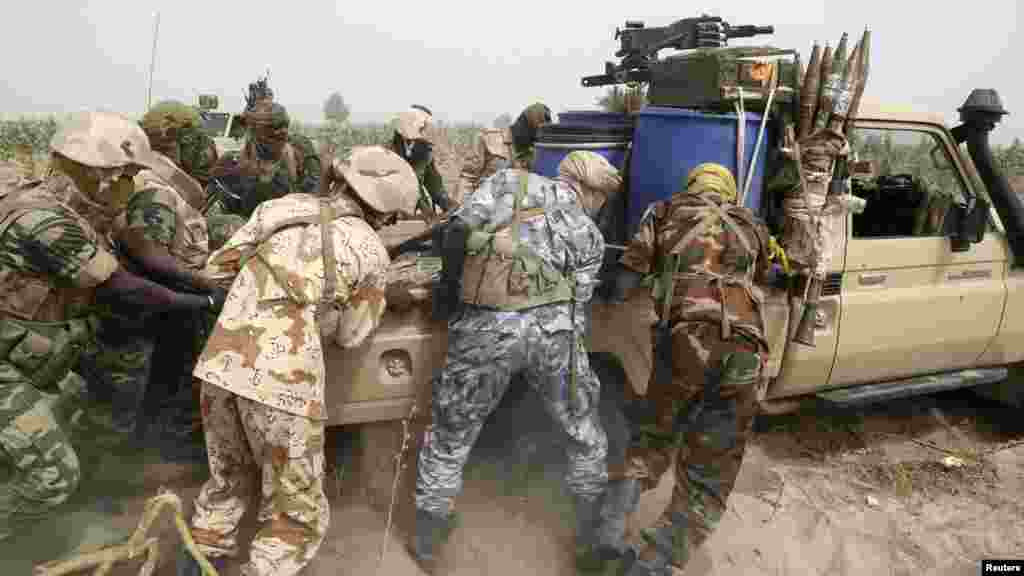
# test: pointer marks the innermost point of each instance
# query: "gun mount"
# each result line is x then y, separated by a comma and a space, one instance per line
639, 45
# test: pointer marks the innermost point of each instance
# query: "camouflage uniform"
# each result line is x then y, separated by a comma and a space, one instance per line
412, 141
50, 262
534, 330
263, 370
176, 131
164, 218
294, 166
705, 412
496, 149
117, 363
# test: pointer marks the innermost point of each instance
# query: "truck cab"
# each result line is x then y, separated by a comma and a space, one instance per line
225, 129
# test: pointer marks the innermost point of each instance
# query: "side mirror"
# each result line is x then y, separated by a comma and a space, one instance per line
208, 102
971, 224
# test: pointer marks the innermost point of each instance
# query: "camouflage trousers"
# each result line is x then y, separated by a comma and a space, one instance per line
117, 367
704, 417
245, 441
486, 349
35, 427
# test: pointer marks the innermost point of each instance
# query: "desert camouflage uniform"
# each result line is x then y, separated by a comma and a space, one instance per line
493, 151
705, 414
264, 376
50, 262
487, 347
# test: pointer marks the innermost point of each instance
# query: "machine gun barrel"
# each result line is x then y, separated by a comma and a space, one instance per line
640, 45
747, 31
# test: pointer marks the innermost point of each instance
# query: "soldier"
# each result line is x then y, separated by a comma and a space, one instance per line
166, 239
706, 251
263, 370
496, 149
176, 131
273, 163
412, 141
533, 240
55, 266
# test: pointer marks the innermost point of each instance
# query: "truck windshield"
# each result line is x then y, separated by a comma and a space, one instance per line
214, 123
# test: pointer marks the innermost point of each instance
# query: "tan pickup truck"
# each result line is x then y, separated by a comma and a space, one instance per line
902, 312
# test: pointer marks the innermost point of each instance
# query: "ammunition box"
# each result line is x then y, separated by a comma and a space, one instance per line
712, 78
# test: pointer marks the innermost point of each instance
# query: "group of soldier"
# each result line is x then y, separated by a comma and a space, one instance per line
141, 235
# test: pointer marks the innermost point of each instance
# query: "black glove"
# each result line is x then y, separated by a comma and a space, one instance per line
625, 281
217, 297
777, 278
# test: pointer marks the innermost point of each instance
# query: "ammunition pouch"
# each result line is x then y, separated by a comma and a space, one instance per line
44, 352
449, 243
506, 275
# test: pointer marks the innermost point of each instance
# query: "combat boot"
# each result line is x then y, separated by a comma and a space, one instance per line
620, 502
432, 531
188, 566
665, 541
591, 557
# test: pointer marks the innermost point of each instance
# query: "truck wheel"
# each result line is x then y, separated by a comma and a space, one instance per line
370, 477
610, 371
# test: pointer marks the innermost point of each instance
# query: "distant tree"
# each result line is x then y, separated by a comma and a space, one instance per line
503, 121
621, 100
335, 108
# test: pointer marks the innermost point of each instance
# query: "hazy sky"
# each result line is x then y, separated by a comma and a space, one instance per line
467, 61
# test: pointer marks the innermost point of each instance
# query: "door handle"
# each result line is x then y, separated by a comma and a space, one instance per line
969, 275
871, 279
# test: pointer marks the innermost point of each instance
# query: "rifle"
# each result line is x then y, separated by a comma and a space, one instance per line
639, 45
258, 90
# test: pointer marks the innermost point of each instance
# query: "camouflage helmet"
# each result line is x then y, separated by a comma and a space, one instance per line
380, 178
414, 124
103, 140
109, 141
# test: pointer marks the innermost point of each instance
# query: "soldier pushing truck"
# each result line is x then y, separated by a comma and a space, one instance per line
738, 331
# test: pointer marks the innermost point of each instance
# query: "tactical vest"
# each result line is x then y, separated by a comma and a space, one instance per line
272, 178
36, 336
501, 272
670, 268
191, 243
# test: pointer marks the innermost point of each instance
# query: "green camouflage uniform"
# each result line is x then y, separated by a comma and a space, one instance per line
429, 178
117, 364
252, 180
704, 414
166, 219
51, 260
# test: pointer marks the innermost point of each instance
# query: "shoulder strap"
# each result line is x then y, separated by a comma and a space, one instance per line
327, 246
729, 222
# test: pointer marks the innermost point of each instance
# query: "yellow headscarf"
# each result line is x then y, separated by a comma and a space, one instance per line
711, 177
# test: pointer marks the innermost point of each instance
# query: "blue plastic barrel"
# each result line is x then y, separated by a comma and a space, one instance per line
595, 118
555, 141
669, 142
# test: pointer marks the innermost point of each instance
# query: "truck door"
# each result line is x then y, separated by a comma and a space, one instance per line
910, 304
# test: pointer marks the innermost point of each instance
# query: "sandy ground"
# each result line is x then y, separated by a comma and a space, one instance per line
854, 492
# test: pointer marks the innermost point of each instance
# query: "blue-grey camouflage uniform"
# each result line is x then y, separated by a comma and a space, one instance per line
487, 347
